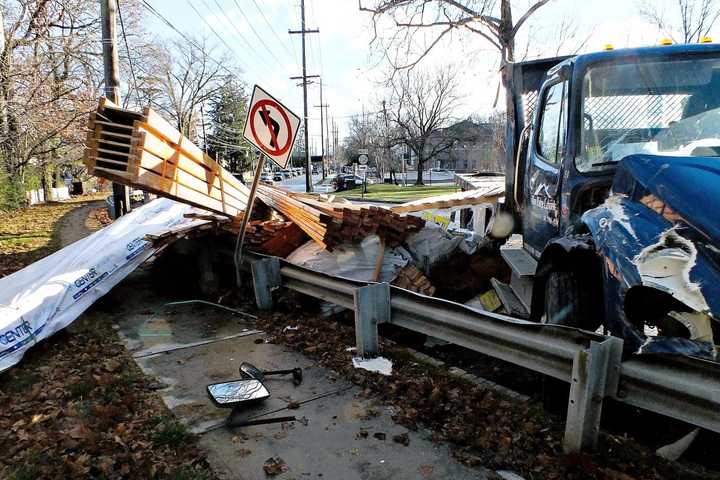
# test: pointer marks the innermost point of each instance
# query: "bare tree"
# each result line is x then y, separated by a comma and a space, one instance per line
423, 103
429, 21
186, 77
694, 19
48, 80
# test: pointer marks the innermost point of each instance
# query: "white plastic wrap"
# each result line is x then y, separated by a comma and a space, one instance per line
51, 293
354, 261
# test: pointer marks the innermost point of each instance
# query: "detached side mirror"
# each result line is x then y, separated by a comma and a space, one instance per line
237, 392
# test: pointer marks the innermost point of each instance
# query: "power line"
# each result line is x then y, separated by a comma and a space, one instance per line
262, 42
127, 48
185, 37
232, 24
208, 24
312, 10
274, 32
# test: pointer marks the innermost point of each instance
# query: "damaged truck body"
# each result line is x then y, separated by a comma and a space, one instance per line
612, 178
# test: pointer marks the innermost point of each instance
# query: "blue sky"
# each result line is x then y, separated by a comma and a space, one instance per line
341, 53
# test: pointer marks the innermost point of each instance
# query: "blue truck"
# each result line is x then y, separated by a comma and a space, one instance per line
613, 181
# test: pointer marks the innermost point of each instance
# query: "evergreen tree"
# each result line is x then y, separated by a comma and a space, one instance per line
226, 122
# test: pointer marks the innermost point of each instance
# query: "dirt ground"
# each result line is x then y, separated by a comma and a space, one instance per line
77, 406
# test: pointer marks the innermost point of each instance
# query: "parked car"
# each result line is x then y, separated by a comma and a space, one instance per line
278, 177
347, 182
267, 178
286, 173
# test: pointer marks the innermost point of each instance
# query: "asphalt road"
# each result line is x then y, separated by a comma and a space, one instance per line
297, 184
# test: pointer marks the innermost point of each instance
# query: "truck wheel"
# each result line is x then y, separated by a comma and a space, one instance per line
570, 300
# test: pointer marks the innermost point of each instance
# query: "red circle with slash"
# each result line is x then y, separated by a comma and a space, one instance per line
263, 104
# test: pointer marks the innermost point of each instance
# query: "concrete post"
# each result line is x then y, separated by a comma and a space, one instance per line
372, 307
266, 278
595, 375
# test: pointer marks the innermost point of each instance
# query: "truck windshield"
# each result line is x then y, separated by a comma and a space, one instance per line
662, 107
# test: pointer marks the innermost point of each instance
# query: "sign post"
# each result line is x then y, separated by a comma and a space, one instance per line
272, 128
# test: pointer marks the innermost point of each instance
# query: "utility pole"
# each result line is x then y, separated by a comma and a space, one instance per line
305, 76
108, 11
323, 120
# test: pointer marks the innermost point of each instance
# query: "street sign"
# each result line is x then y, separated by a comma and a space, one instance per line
363, 159
271, 127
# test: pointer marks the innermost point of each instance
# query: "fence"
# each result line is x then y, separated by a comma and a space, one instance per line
683, 388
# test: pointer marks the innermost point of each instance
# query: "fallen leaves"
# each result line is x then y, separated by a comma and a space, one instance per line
484, 427
77, 406
274, 466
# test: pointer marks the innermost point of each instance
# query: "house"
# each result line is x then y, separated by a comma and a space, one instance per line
474, 147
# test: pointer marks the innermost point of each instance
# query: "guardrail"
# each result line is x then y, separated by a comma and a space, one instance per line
683, 388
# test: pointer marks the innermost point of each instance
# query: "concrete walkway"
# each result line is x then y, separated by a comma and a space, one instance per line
338, 435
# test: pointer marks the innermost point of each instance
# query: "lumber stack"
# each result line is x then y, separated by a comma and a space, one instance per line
411, 278
330, 223
144, 151
258, 232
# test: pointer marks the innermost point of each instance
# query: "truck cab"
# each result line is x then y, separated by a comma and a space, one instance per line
606, 156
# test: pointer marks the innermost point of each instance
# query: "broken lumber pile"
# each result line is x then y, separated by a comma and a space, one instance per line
411, 278
330, 223
144, 151
271, 237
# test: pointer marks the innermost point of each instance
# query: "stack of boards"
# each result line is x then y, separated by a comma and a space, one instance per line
144, 151
331, 224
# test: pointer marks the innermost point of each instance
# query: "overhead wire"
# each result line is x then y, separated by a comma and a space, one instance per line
274, 32
319, 44
172, 26
238, 31
127, 48
222, 40
262, 41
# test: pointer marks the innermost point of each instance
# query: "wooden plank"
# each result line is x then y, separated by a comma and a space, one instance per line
194, 154
159, 148
170, 171
152, 180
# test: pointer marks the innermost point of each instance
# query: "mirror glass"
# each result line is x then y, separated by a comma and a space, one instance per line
238, 391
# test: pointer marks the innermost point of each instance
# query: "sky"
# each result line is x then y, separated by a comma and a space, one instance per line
255, 32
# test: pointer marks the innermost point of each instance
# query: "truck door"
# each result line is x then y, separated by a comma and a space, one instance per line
540, 219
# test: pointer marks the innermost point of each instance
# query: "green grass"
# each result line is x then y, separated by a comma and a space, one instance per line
398, 193
170, 433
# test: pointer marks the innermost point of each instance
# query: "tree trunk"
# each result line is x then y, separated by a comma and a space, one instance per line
420, 166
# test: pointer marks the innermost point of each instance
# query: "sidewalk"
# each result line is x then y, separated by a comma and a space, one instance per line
340, 434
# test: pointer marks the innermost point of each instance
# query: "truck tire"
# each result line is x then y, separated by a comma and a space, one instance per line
570, 299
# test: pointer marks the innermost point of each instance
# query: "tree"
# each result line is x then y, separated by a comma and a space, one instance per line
431, 20
423, 103
228, 110
188, 76
48, 84
693, 23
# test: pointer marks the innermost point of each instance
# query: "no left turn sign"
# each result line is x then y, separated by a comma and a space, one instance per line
271, 126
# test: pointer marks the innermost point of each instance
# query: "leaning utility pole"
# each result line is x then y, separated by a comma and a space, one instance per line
305, 76
323, 120
108, 11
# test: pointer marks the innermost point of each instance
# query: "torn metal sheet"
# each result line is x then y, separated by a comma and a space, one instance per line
656, 232
666, 265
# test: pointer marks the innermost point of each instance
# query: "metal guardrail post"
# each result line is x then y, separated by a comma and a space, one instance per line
266, 278
372, 307
595, 375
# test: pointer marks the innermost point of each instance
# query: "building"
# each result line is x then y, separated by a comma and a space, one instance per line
474, 147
